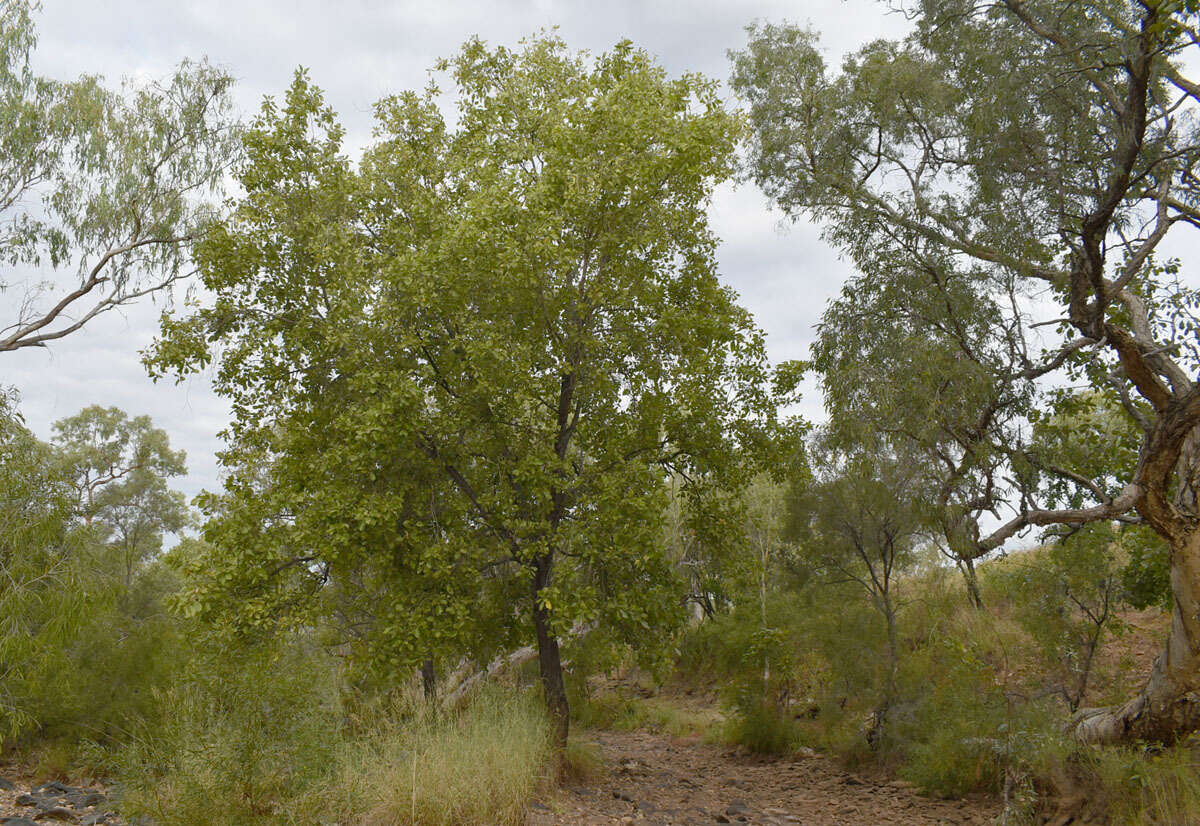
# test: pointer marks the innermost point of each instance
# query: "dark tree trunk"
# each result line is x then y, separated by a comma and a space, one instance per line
429, 680
549, 657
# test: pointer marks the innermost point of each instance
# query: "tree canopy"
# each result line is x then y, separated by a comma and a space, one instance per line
1040, 159
467, 365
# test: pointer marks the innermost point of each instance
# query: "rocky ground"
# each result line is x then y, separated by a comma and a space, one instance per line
657, 779
47, 803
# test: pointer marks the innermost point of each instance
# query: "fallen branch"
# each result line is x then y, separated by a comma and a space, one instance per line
454, 699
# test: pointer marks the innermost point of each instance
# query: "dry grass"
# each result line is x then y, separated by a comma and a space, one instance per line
481, 766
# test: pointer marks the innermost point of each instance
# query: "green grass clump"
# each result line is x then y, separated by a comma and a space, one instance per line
266, 742
762, 729
582, 763
1141, 787
616, 711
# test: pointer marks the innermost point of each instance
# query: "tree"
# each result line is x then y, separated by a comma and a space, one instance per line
916, 362
1070, 592
468, 366
858, 523
110, 183
38, 540
1056, 151
120, 467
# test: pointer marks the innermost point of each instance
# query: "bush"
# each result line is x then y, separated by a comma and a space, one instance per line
262, 740
234, 742
1137, 787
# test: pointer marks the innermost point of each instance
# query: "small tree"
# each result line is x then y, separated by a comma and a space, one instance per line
120, 467
39, 540
858, 524
1066, 597
468, 366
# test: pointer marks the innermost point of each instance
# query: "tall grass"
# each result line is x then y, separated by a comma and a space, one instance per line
268, 743
481, 766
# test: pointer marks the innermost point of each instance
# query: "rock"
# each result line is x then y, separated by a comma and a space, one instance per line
737, 807
722, 819
17, 821
30, 800
96, 818
623, 796
7, 785
56, 788
86, 798
57, 813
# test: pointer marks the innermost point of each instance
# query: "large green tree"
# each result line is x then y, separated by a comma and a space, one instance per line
463, 370
109, 183
1052, 148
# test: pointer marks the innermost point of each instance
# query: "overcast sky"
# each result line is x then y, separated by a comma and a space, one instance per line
359, 51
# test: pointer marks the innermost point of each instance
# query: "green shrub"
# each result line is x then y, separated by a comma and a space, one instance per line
617, 711
763, 728
232, 743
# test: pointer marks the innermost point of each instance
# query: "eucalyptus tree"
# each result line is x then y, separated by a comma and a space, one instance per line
110, 183
924, 361
120, 466
467, 366
1055, 151
858, 523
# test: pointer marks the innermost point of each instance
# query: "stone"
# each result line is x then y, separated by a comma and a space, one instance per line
86, 798
737, 807
57, 813
7, 785
17, 821
56, 788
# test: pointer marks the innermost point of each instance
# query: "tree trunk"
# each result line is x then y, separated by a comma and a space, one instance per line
967, 565
1168, 706
429, 680
549, 658
879, 718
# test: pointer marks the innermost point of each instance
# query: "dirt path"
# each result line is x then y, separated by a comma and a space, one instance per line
656, 779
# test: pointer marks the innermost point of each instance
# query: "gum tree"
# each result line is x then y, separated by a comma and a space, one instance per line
120, 466
109, 183
467, 366
1055, 151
